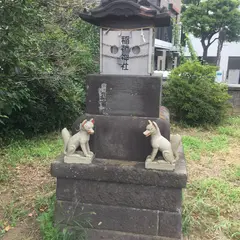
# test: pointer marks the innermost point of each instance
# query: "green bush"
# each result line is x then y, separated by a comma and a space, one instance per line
46, 52
192, 95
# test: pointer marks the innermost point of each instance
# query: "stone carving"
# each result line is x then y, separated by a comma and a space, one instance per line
159, 143
80, 139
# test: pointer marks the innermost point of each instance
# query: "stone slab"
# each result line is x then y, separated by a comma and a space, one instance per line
170, 224
159, 165
118, 194
107, 217
94, 234
122, 172
121, 137
120, 95
78, 158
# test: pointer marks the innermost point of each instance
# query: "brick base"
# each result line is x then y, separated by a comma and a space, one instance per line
93, 234
122, 200
121, 219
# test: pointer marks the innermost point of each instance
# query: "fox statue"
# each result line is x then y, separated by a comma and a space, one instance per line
160, 143
80, 139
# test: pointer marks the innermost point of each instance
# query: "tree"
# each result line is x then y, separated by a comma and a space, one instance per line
46, 51
212, 20
229, 33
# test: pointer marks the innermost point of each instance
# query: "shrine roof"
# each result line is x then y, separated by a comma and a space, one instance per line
126, 14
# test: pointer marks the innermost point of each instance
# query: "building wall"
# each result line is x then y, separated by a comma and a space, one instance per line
229, 50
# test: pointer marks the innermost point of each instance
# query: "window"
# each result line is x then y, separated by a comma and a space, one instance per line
159, 3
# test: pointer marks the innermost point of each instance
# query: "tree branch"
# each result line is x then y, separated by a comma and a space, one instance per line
213, 41
203, 42
210, 37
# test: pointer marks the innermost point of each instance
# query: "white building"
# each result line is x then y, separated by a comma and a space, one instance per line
230, 58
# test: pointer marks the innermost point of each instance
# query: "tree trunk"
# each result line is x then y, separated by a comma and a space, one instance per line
205, 53
205, 49
221, 40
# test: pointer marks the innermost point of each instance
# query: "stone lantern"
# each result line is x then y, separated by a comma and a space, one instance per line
127, 201
127, 35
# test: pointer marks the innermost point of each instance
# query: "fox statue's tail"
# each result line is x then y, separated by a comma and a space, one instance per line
175, 142
66, 136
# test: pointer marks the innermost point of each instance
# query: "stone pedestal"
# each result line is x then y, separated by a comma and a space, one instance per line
121, 199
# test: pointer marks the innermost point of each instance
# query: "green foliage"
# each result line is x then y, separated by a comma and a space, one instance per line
46, 53
191, 49
206, 18
193, 97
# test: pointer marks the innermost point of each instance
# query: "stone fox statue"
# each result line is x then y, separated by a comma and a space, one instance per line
160, 143
80, 139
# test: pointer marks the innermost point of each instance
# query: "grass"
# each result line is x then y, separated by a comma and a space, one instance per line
211, 203
28, 151
197, 146
23, 163
211, 206
11, 215
46, 219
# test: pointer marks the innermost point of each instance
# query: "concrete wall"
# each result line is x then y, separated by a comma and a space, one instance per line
234, 91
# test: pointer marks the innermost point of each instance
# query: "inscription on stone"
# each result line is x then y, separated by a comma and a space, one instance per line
125, 52
102, 93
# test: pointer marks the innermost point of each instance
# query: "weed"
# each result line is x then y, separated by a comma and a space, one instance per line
11, 215
232, 174
229, 131
196, 146
231, 127
233, 121
208, 206
45, 208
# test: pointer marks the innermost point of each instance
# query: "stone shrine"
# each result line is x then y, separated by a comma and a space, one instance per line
122, 199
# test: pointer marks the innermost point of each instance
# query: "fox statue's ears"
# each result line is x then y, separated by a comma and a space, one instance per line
84, 122
155, 125
92, 121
